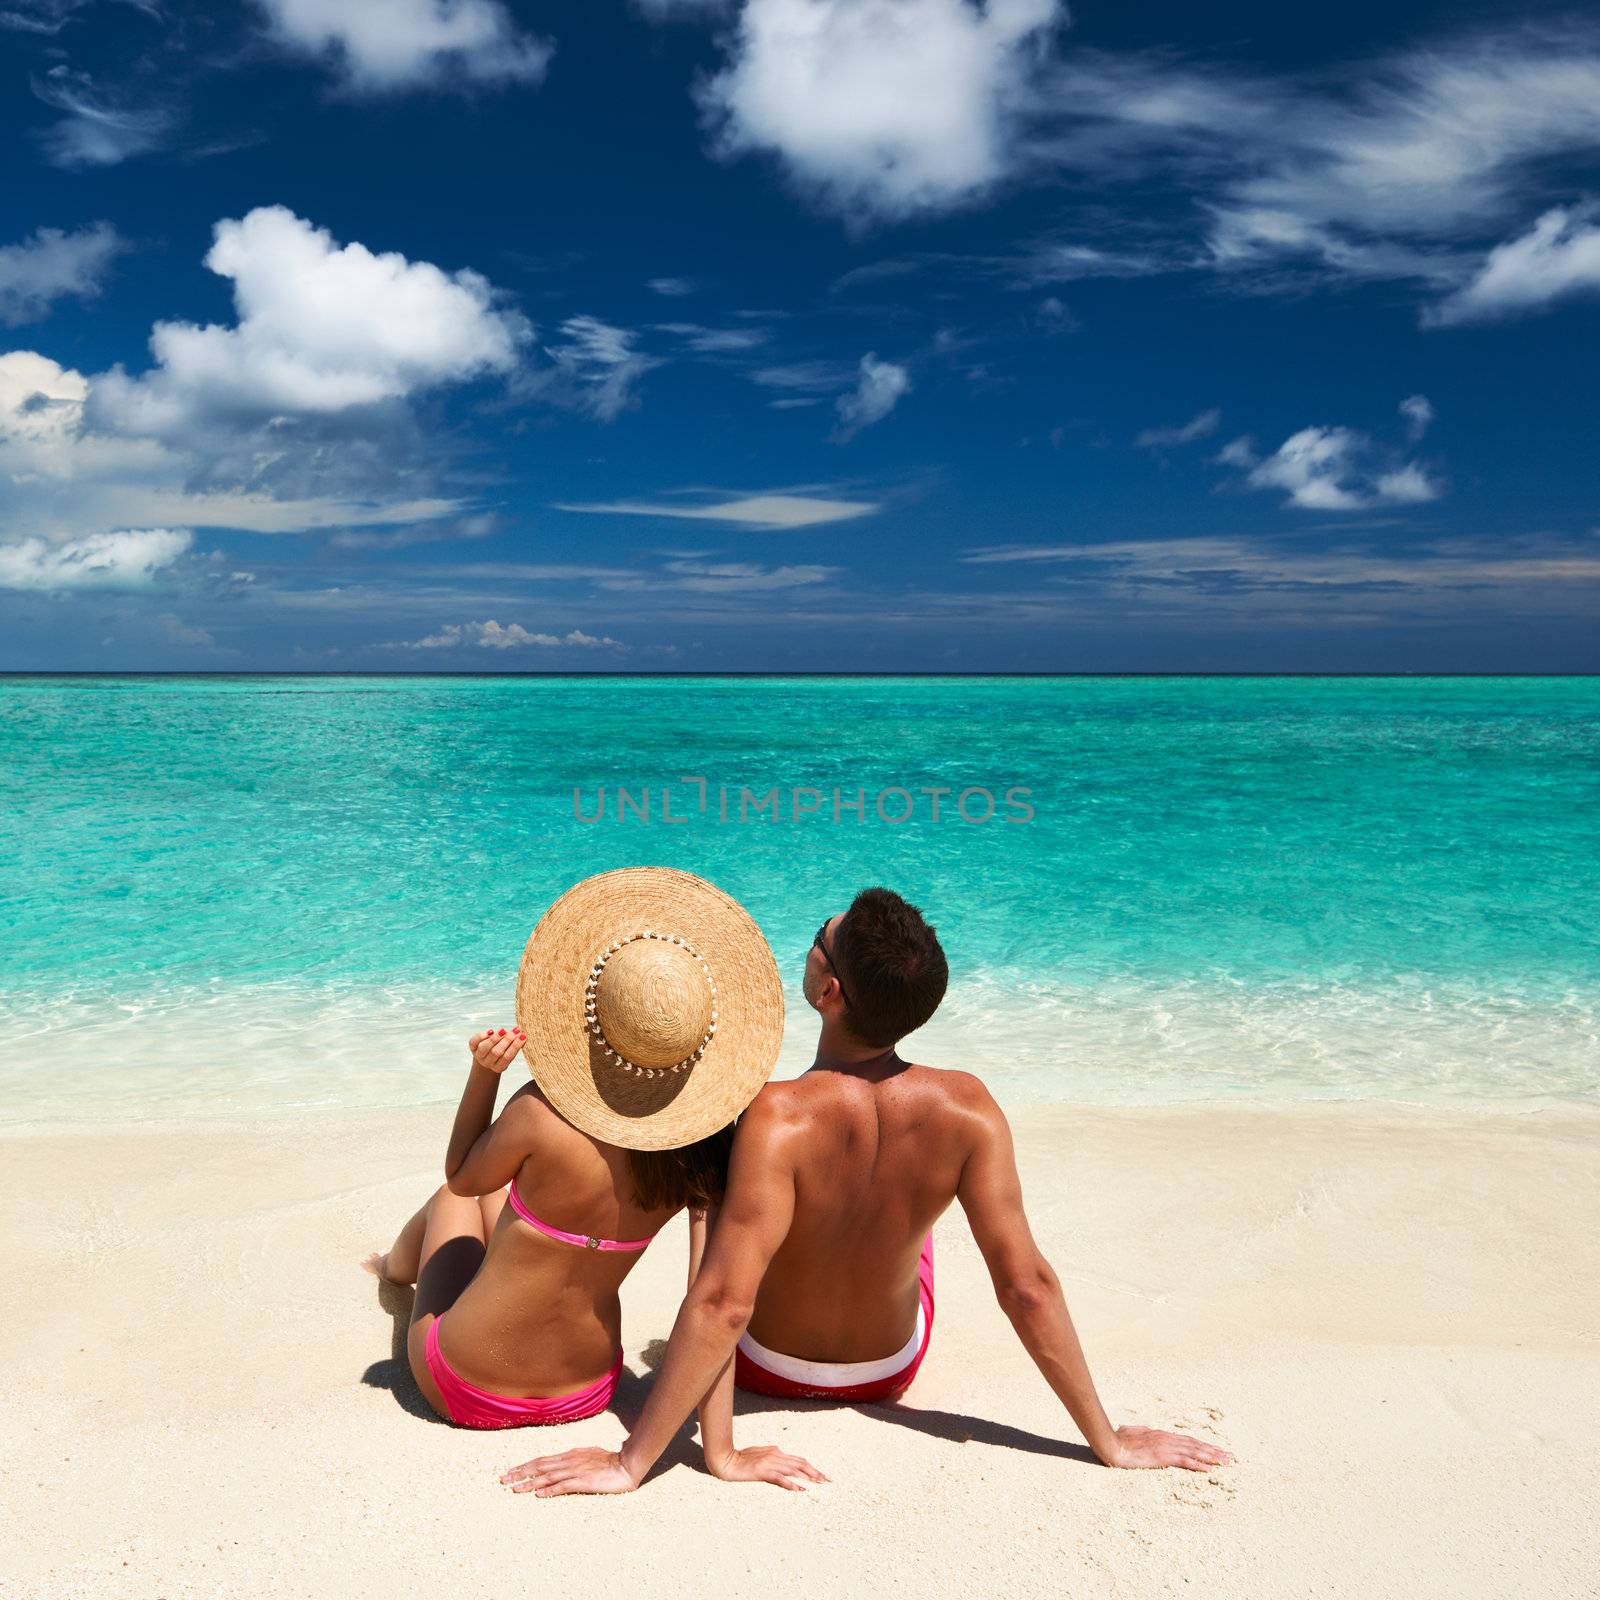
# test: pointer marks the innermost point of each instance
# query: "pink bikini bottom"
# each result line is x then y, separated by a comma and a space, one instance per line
471, 1407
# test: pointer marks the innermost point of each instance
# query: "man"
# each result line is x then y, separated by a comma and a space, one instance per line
818, 1280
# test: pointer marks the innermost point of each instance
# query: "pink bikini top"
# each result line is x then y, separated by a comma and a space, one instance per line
586, 1241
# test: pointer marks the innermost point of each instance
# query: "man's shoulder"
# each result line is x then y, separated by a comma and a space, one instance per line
963, 1091
796, 1101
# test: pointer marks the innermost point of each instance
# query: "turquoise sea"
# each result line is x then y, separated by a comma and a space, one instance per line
225, 894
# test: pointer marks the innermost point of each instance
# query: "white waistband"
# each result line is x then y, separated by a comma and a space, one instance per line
836, 1374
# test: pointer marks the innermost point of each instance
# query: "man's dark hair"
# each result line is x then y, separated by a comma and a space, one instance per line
892, 967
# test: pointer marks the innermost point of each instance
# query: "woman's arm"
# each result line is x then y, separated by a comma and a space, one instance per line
484, 1156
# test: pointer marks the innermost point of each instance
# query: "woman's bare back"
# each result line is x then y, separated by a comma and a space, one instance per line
541, 1316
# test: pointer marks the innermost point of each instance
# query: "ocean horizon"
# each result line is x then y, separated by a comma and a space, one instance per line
244, 893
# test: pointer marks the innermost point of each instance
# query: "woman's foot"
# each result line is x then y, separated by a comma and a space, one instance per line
378, 1265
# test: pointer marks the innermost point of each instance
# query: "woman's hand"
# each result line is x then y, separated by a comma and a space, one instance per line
763, 1463
571, 1472
1150, 1447
495, 1049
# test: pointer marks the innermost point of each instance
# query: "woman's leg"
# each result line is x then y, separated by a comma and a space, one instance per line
403, 1260
439, 1249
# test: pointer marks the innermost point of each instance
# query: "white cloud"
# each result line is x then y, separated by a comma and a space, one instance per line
1558, 258
128, 558
51, 265
1418, 411
1330, 469
597, 369
320, 329
508, 636
672, 288
881, 107
878, 390
1407, 485
766, 511
40, 405
401, 44
1197, 427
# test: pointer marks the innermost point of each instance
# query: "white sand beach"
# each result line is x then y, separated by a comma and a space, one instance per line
1391, 1316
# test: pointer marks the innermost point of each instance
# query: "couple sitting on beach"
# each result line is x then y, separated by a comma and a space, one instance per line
650, 1012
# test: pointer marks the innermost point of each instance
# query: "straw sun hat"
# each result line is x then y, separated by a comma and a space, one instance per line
651, 1005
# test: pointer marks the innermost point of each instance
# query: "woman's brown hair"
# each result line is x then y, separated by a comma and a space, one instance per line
693, 1175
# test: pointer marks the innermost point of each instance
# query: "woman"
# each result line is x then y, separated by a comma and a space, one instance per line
650, 1012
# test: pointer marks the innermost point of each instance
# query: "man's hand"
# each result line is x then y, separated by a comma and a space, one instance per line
764, 1463
571, 1472
1150, 1447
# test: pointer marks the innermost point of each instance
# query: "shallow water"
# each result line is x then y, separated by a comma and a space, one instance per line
223, 894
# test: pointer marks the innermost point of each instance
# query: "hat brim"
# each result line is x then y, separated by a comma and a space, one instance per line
575, 1074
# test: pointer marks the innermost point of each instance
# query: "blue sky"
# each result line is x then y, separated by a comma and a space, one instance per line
798, 334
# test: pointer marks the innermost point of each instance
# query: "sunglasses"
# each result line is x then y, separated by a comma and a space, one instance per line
819, 944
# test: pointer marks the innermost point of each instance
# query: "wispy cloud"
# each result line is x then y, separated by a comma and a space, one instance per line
51, 16
97, 128
714, 341
772, 510
440, 530
1429, 570
733, 577
1197, 427
821, 376
1557, 259
598, 367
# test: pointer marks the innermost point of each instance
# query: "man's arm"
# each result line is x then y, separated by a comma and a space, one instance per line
1030, 1295
753, 1221
757, 1463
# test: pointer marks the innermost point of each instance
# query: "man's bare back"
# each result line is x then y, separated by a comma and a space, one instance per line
876, 1160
